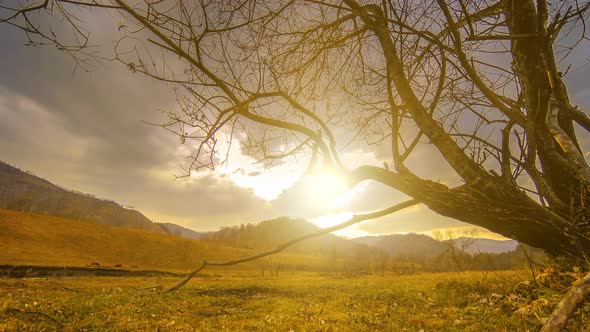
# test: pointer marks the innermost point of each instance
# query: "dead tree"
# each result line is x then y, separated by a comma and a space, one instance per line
381, 260
456, 247
476, 83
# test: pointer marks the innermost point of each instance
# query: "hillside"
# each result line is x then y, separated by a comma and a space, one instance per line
33, 239
177, 230
414, 245
44, 240
404, 246
270, 233
25, 192
489, 245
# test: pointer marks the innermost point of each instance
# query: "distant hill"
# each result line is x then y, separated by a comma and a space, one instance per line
489, 245
409, 246
418, 245
177, 230
41, 240
270, 233
36, 239
25, 192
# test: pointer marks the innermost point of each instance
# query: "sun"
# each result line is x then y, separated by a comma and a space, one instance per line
338, 218
326, 188
332, 220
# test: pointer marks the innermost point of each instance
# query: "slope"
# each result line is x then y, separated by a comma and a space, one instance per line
177, 230
22, 191
45, 240
407, 246
270, 233
488, 245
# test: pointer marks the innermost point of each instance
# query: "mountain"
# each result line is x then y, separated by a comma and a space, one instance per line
41, 240
406, 246
418, 245
23, 191
270, 233
177, 230
488, 245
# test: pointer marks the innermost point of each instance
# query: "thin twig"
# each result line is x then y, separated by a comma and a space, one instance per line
37, 313
530, 262
67, 288
354, 220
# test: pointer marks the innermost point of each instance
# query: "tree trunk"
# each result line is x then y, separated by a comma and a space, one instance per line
499, 207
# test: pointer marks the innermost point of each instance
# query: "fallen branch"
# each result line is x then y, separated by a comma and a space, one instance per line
567, 306
354, 220
68, 289
15, 311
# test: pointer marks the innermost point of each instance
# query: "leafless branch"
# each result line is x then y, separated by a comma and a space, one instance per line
355, 219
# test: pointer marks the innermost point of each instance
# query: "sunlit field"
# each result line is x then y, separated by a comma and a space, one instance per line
224, 301
293, 166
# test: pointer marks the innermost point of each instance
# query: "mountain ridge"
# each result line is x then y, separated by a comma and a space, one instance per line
488, 245
25, 192
184, 232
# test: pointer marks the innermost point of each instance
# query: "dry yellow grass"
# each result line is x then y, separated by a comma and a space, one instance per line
44, 240
33, 239
235, 301
466, 301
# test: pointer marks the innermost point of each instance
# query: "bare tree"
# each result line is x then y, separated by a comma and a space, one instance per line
456, 246
478, 83
476, 80
381, 261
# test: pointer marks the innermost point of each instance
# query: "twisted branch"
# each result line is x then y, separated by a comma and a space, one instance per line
566, 307
354, 220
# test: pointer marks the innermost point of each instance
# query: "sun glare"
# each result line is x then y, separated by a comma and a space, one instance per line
335, 219
245, 172
332, 220
327, 189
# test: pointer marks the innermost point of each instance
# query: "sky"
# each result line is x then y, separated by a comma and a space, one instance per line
87, 131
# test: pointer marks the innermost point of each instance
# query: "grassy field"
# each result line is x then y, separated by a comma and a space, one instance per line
33, 239
45, 240
231, 301
239, 298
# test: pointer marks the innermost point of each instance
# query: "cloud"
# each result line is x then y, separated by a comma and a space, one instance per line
138, 170
83, 130
30, 133
206, 202
417, 218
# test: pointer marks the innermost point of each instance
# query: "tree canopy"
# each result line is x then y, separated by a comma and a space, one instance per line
478, 83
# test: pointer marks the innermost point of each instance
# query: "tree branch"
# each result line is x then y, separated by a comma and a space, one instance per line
567, 306
354, 220
574, 156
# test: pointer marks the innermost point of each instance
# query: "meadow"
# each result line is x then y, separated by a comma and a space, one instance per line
246, 301
290, 291
41, 240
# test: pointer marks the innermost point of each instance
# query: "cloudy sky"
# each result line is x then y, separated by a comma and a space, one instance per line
86, 131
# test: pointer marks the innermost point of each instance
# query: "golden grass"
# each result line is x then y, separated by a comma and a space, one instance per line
468, 301
227, 299
32, 239
45, 240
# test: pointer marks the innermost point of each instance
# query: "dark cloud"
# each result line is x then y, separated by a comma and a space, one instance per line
84, 130
106, 104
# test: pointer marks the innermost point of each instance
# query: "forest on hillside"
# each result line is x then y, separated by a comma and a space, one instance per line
350, 256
